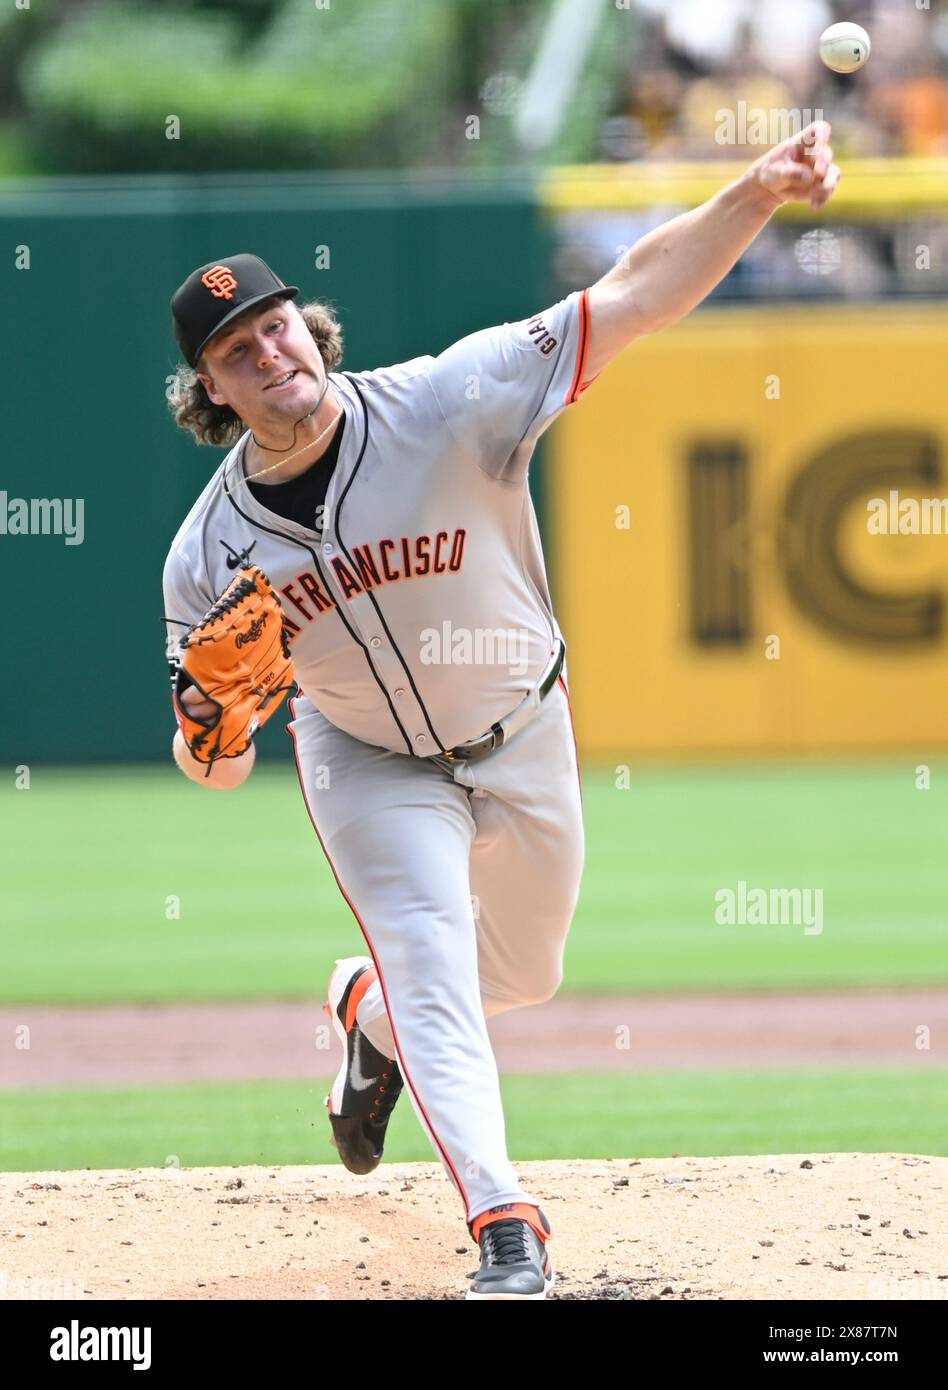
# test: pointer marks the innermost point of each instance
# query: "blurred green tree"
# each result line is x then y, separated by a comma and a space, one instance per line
254, 84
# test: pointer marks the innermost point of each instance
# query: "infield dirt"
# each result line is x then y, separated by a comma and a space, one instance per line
820, 1226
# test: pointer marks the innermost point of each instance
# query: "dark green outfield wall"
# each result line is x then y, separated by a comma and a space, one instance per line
87, 348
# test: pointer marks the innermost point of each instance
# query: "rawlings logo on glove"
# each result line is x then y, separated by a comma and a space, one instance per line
252, 633
238, 660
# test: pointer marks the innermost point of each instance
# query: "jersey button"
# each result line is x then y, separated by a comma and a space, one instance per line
420, 738
327, 548
399, 693
375, 641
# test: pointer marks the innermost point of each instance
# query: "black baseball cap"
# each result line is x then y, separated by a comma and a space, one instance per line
217, 292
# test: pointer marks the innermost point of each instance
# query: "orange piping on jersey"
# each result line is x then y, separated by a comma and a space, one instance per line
578, 384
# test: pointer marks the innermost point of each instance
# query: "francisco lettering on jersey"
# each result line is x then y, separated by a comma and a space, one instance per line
385, 562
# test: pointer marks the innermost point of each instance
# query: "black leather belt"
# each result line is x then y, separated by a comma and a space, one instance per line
498, 733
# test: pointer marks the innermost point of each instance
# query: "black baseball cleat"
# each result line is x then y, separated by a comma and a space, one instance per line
368, 1084
514, 1261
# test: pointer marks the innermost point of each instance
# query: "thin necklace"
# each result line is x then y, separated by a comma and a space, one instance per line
249, 477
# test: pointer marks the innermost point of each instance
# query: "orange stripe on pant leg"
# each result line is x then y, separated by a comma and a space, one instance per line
560, 681
404, 1070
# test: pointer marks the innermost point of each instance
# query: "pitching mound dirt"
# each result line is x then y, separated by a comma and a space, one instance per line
866, 1226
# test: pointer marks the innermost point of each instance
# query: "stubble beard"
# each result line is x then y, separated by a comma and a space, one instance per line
296, 404
286, 420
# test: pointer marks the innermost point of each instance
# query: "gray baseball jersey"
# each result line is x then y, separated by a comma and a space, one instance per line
420, 613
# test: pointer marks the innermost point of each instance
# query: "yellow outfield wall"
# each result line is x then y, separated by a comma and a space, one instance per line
720, 579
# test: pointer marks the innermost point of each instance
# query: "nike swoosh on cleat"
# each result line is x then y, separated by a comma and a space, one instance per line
357, 1077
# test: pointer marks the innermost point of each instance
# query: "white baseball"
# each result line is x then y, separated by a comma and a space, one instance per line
844, 47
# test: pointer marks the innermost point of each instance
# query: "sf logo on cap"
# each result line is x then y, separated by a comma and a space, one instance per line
220, 281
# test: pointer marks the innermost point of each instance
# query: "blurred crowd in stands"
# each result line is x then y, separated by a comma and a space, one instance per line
692, 63
693, 58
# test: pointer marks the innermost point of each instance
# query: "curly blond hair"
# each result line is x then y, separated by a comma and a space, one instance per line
193, 409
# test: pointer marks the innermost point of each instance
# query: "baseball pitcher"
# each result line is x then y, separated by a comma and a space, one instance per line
369, 540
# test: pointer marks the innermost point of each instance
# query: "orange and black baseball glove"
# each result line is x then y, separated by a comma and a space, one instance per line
238, 658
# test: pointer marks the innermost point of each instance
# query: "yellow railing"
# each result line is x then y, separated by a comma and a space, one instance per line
870, 188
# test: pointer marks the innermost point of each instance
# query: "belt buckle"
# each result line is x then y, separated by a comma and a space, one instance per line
460, 754
477, 748
456, 754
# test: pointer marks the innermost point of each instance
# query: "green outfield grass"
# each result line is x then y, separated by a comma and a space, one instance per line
573, 1116
93, 858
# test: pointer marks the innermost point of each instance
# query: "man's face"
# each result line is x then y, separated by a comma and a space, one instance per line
247, 364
